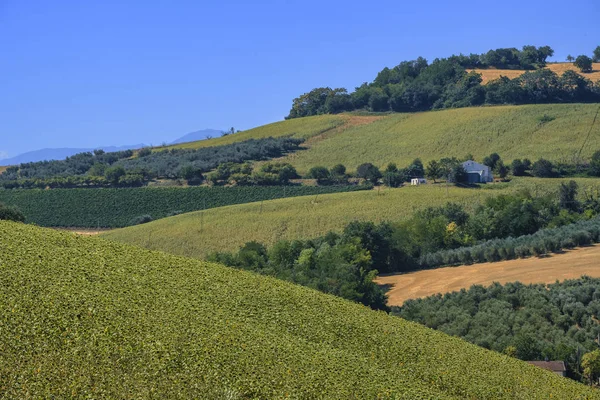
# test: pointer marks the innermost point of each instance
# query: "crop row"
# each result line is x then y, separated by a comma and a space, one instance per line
117, 207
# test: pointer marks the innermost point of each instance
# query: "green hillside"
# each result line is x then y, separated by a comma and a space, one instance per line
86, 318
227, 228
511, 131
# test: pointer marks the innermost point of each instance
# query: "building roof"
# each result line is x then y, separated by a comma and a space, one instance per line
554, 366
471, 165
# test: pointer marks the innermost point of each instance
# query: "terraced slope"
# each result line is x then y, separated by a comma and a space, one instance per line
86, 318
227, 228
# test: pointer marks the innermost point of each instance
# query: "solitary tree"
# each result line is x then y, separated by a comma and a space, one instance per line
433, 170
584, 63
570, 58
501, 170
596, 57
368, 172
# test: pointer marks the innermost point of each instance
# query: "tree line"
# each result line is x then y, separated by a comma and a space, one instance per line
126, 169
445, 83
529, 322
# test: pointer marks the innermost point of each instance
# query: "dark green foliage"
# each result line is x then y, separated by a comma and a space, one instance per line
114, 208
369, 172
11, 214
584, 63
434, 170
567, 196
543, 168
168, 163
417, 85
142, 219
491, 160
595, 164
544, 241
555, 322
331, 264
320, 173
415, 169
192, 175
596, 57
338, 170
518, 168
500, 169
144, 152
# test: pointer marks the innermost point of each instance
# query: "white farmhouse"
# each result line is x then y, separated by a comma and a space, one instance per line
418, 181
477, 173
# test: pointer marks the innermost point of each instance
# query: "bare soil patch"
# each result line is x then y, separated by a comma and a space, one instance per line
569, 265
558, 68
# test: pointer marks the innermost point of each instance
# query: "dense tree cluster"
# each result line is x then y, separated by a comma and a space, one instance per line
445, 83
267, 174
336, 264
530, 322
122, 169
11, 213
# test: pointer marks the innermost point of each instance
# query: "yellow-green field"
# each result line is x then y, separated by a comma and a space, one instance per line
88, 319
511, 131
300, 128
227, 228
558, 68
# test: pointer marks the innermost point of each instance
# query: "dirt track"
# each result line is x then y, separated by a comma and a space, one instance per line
572, 264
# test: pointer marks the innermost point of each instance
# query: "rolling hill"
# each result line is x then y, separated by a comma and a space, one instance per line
558, 68
511, 131
227, 228
86, 318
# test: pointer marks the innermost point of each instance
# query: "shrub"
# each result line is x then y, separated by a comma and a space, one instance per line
543, 169
146, 151
320, 173
368, 172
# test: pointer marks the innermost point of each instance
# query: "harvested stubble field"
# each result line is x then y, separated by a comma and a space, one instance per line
558, 68
572, 264
85, 318
227, 228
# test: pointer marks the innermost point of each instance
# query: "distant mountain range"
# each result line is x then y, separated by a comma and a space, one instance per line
62, 153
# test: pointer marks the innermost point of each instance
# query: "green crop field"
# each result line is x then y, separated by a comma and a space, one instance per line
112, 208
86, 318
227, 228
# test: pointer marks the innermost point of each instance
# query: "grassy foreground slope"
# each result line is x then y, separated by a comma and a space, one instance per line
227, 228
511, 131
86, 318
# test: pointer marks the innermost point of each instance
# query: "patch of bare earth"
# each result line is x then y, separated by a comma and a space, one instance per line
570, 265
558, 68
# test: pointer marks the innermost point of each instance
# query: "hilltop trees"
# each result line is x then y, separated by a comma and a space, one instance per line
584, 63
596, 57
418, 85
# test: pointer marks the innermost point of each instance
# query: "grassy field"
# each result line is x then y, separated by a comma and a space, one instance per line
303, 128
570, 265
511, 131
86, 318
558, 68
227, 228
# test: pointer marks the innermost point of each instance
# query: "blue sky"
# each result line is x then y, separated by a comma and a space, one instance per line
85, 74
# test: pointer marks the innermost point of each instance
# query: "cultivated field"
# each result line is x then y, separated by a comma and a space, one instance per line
86, 318
511, 131
569, 265
558, 68
227, 228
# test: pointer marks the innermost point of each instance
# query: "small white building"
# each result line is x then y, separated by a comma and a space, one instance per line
418, 181
477, 173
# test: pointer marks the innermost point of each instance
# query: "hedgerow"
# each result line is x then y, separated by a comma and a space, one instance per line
545, 241
114, 208
87, 318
